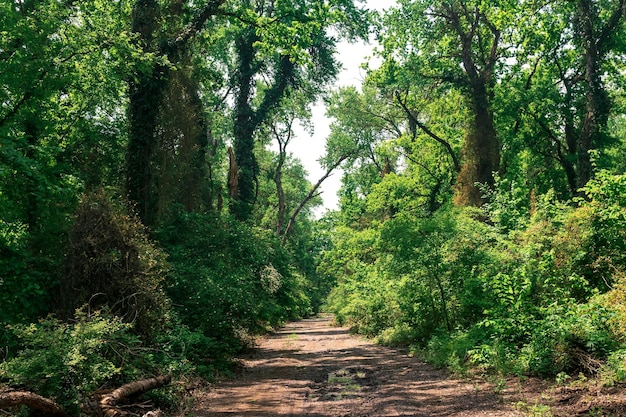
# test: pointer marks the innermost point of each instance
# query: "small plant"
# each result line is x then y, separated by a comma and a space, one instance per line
534, 410
562, 378
347, 381
614, 370
499, 385
597, 412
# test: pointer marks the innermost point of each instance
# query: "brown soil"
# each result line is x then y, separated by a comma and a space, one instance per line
310, 368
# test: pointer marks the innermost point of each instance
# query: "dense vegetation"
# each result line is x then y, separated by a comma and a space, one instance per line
152, 218
147, 226
484, 224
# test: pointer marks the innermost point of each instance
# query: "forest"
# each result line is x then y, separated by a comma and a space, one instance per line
153, 218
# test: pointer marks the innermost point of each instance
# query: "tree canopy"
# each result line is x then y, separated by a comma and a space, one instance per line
153, 217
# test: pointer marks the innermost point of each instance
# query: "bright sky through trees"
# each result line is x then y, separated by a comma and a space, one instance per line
310, 148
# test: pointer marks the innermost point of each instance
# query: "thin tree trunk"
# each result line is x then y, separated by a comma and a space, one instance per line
280, 192
312, 193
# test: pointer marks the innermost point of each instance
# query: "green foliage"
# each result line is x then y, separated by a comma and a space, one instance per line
61, 124
532, 282
570, 338
522, 295
67, 361
229, 280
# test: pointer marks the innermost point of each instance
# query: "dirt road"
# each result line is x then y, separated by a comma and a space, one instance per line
310, 368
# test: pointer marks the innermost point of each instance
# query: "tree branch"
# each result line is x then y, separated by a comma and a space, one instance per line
415, 120
312, 193
273, 96
211, 9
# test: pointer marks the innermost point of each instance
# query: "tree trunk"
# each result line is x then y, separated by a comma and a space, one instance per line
145, 93
109, 402
243, 131
247, 119
481, 152
280, 192
312, 193
597, 105
596, 43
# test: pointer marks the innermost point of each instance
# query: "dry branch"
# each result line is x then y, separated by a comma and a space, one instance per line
34, 401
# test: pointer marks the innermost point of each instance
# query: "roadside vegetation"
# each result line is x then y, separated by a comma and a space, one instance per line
153, 219
484, 226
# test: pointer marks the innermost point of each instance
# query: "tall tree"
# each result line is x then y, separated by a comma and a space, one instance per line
167, 35
598, 26
282, 48
458, 44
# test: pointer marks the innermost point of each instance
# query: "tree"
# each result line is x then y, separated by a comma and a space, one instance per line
567, 105
288, 45
155, 121
455, 45
63, 65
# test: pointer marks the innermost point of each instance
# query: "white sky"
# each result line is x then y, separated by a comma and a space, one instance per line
310, 148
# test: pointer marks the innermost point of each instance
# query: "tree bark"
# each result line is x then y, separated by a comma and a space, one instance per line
481, 152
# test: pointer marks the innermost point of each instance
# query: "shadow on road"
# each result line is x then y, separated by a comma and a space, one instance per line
310, 368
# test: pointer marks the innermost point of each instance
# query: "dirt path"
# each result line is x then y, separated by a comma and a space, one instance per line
310, 368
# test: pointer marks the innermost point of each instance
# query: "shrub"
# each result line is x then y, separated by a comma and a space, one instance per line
572, 338
67, 361
228, 279
112, 263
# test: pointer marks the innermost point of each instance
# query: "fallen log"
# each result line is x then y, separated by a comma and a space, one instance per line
107, 406
34, 401
109, 402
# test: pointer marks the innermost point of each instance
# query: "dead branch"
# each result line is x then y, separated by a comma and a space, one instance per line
155, 413
34, 401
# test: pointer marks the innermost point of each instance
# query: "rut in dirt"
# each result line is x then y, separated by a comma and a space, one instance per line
311, 368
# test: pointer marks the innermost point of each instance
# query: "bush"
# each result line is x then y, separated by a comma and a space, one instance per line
538, 289
614, 370
572, 338
112, 263
67, 362
229, 280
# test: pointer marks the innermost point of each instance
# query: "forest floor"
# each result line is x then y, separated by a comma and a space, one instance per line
310, 368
